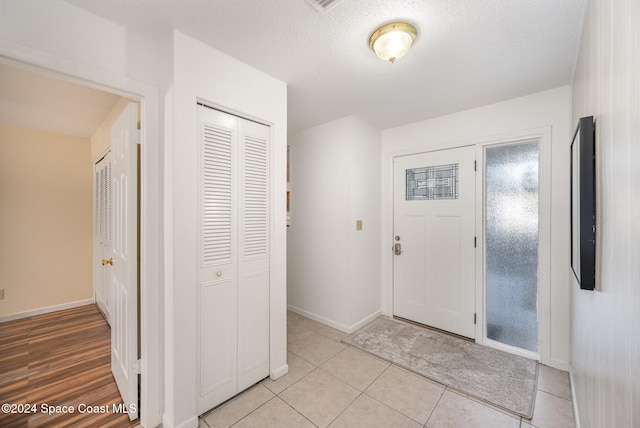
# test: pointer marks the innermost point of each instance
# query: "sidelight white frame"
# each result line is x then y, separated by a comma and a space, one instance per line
543, 136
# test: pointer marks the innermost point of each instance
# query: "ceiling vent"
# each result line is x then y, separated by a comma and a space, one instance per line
323, 5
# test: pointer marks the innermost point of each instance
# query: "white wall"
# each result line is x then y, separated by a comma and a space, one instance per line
201, 72
364, 195
333, 270
46, 218
72, 34
605, 342
101, 139
491, 123
53, 36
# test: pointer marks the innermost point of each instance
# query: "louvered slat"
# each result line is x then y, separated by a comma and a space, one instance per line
107, 204
217, 180
255, 197
96, 208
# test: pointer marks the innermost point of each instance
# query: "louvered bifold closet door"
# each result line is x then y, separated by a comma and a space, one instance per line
217, 276
102, 233
253, 268
233, 274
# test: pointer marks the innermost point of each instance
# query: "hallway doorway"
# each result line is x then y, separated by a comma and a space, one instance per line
147, 272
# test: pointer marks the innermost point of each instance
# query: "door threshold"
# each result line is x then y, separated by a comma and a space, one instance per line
428, 327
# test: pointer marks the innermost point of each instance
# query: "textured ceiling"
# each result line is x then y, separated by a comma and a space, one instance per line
38, 101
468, 52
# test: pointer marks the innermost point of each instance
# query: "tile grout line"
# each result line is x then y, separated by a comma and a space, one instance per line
361, 392
436, 405
391, 365
555, 395
345, 409
287, 403
319, 367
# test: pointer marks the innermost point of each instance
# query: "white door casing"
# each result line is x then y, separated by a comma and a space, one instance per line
434, 274
124, 288
102, 233
233, 262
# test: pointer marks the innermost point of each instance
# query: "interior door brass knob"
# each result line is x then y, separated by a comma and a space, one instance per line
107, 262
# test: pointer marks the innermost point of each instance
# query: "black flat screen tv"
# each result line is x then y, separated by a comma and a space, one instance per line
583, 204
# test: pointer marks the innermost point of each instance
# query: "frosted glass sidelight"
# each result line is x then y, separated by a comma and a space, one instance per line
511, 215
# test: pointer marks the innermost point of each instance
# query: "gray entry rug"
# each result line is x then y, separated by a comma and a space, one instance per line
504, 380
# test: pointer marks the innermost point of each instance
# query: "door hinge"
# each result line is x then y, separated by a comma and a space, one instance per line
475, 242
475, 165
136, 366
474, 319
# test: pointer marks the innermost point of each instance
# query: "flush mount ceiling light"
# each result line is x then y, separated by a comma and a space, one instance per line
392, 41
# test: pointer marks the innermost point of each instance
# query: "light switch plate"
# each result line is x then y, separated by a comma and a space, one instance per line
358, 224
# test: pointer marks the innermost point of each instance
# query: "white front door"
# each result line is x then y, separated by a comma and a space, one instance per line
124, 261
434, 239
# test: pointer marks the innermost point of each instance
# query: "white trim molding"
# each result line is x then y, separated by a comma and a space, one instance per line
543, 135
574, 399
277, 373
46, 310
338, 326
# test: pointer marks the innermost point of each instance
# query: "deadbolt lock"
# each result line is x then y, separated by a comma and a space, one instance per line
397, 249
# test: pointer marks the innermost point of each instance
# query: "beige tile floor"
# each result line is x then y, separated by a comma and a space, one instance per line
330, 384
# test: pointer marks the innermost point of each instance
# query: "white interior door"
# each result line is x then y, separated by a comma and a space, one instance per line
102, 234
218, 264
124, 263
253, 254
233, 274
434, 239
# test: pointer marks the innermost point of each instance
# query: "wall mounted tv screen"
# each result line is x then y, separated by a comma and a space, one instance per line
583, 204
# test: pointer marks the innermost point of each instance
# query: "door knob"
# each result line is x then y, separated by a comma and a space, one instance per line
107, 262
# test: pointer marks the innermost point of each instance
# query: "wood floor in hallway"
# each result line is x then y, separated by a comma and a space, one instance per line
59, 359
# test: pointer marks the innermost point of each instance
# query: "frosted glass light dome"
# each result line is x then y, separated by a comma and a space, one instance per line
393, 41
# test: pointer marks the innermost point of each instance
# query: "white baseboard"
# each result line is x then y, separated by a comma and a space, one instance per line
279, 372
558, 364
338, 326
574, 401
366, 320
46, 310
189, 423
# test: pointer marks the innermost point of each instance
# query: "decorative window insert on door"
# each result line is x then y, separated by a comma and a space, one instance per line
432, 182
511, 239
